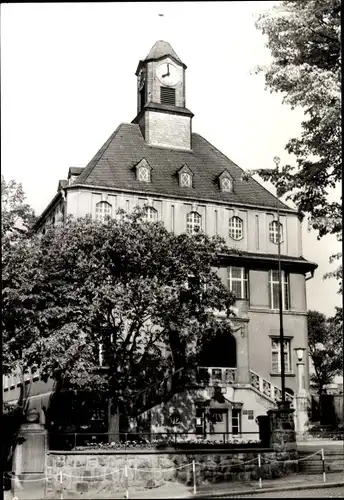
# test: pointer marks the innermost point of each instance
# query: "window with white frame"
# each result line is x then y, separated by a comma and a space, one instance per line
276, 356
193, 223
235, 228
237, 281
274, 289
143, 174
273, 231
151, 215
185, 179
236, 421
226, 184
103, 209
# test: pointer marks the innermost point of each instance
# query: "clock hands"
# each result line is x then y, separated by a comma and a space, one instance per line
168, 71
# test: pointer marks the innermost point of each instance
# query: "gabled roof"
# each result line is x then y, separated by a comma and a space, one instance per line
112, 167
162, 49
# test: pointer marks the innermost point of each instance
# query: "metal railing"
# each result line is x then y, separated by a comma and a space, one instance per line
131, 440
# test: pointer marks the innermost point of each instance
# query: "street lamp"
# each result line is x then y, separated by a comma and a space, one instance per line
301, 396
299, 353
300, 369
277, 162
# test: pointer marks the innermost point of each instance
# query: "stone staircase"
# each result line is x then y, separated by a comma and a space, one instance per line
333, 455
207, 377
266, 388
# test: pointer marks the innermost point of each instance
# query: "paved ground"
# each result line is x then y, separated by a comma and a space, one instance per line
177, 490
311, 493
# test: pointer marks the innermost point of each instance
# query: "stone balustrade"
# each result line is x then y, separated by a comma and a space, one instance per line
267, 388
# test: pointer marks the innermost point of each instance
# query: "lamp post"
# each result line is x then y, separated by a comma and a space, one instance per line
300, 370
277, 162
301, 396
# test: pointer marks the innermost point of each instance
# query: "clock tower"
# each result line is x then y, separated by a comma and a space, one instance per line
162, 116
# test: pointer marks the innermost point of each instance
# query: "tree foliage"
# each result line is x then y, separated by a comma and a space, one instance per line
17, 216
325, 347
305, 44
125, 290
18, 273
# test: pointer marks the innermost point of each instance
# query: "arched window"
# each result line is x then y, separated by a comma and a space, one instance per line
273, 232
193, 223
235, 228
151, 215
103, 209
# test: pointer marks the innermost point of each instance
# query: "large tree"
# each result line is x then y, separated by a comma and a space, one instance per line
125, 292
325, 344
16, 224
18, 274
304, 40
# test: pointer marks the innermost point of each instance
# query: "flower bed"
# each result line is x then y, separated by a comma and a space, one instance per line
169, 443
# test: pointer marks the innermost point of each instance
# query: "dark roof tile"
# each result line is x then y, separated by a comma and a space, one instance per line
112, 167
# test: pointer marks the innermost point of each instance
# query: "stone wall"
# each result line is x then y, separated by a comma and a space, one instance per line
96, 474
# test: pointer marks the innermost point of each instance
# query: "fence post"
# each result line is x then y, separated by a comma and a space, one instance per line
194, 476
74, 440
126, 481
259, 471
60, 474
323, 464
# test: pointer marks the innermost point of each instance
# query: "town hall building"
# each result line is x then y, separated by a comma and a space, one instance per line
159, 163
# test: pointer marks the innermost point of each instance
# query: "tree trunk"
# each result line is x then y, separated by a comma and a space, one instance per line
113, 421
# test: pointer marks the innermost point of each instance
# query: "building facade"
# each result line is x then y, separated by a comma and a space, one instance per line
157, 162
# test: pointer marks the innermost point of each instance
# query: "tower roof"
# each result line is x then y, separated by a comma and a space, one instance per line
161, 49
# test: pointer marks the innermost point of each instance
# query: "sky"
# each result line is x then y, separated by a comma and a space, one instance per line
68, 80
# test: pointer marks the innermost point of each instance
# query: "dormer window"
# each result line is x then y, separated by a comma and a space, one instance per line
226, 182
143, 174
185, 177
143, 171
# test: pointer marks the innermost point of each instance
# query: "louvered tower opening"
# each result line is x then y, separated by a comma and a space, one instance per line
167, 96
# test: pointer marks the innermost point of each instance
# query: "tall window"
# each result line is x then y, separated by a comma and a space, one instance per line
236, 421
193, 223
276, 356
237, 281
235, 228
274, 289
273, 232
103, 209
151, 215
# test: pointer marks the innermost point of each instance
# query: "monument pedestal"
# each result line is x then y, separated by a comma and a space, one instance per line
282, 428
29, 464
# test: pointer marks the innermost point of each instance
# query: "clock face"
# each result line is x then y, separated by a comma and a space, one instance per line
168, 74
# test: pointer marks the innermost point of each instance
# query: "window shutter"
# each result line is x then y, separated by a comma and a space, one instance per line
167, 96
